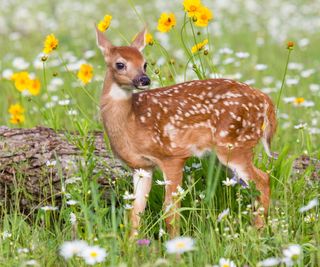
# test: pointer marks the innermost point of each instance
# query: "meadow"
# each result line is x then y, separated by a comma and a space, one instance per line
270, 45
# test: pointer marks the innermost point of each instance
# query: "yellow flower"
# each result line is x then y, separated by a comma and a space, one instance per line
166, 22
85, 73
203, 17
34, 87
199, 46
149, 39
192, 7
17, 119
16, 109
299, 100
105, 23
50, 44
21, 80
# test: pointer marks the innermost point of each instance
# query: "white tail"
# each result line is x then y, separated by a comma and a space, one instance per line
165, 126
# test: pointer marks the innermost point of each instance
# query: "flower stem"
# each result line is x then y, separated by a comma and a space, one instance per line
283, 79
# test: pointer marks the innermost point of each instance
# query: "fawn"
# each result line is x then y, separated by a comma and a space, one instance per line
165, 126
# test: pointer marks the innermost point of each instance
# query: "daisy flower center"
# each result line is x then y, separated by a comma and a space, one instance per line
93, 254
180, 245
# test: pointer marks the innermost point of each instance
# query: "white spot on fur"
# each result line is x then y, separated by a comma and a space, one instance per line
223, 133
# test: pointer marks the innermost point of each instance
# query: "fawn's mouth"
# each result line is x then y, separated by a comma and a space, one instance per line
142, 87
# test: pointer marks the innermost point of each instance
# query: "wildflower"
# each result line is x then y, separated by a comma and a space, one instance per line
141, 174
161, 232
34, 87
71, 202
179, 245
128, 196
16, 109
311, 204
143, 242
290, 45
269, 262
242, 55
6, 235
73, 218
93, 255
203, 17
165, 182
292, 253
31, 263
7, 74
128, 207
301, 126
226, 263
50, 44
22, 250
85, 73
298, 100
149, 39
72, 248
19, 63
51, 163
105, 23
192, 7
179, 192
223, 214
229, 182
47, 208
166, 22
21, 80
199, 46
17, 119
261, 67
310, 218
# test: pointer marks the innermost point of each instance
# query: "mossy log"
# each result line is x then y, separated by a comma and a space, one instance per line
34, 163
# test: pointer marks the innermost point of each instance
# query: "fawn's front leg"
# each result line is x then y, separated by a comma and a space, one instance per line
173, 173
142, 186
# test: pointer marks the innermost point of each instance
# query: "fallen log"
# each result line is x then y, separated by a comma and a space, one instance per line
36, 163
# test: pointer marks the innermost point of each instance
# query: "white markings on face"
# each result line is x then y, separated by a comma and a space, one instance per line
118, 93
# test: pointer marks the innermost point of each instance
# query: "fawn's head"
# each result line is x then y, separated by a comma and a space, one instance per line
126, 63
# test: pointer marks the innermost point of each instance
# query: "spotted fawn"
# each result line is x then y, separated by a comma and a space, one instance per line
163, 127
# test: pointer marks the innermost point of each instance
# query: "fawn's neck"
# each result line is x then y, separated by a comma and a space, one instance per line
115, 104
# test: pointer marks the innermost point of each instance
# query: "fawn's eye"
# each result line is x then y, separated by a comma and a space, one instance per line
120, 66
145, 66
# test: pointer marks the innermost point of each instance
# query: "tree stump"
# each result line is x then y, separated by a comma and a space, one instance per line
34, 163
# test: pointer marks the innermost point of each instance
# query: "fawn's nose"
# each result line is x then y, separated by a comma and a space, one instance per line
144, 80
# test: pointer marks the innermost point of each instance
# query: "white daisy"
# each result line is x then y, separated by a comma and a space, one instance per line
51, 163
229, 182
269, 262
47, 208
72, 248
179, 245
226, 263
165, 182
141, 173
93, 254
293, 252
128, 196
223, 214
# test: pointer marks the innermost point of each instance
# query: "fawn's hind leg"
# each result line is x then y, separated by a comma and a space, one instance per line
240, 160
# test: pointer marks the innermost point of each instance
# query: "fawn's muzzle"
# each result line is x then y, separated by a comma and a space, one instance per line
141, 82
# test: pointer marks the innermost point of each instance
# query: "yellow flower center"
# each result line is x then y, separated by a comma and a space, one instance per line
193, 8
299, 100
225, 265
180, 245
93, 254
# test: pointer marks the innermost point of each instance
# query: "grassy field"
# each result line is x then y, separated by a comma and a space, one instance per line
247, 41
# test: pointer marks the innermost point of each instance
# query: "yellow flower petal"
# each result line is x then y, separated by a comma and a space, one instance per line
166, 22
105, 23
85, 73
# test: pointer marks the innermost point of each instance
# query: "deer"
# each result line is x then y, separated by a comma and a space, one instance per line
163, 127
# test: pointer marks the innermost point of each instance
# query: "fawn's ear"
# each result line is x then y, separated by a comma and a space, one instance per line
103, 43
140, 40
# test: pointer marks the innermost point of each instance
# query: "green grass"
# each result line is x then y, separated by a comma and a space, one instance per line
106, 223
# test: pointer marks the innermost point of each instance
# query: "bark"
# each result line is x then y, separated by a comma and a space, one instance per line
27, 180
27, 174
